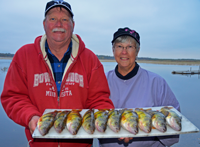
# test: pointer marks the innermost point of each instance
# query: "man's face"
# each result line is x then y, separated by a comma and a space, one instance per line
58, 25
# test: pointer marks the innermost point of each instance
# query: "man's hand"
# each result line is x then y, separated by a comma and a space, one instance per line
126, 140
33, 123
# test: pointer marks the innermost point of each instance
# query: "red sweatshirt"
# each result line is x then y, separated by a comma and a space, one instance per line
30, 88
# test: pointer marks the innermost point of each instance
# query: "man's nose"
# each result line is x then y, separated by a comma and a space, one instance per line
58, 23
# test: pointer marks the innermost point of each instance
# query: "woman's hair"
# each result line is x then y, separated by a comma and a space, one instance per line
122, 39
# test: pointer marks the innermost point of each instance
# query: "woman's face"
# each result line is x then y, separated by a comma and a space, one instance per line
125, 54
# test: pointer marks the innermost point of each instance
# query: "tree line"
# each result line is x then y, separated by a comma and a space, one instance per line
6, 55
106, 57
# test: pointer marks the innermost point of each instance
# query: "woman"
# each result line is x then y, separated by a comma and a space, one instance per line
134, 87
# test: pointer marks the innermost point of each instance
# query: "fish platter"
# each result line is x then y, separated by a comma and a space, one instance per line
109, 130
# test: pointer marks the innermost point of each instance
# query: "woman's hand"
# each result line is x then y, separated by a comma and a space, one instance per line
126, 139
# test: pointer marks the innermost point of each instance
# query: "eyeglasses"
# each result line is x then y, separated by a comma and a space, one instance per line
120, 48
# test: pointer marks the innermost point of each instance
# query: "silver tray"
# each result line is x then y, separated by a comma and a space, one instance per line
187, 127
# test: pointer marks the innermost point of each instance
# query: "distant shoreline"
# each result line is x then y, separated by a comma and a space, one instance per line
6, 58
158, 61
172, 62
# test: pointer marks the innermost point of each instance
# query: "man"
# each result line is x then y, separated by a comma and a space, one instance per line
131, 86
57, 71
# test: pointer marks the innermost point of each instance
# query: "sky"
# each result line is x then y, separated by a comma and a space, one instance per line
168, 29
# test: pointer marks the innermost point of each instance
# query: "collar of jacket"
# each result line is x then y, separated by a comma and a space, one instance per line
74, 53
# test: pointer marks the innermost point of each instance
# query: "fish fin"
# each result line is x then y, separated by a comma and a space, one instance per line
168, 107
147, 110
77, 110
55, 111
165, 113
121, 111
139, 109
103, 109
153, 127
165, 107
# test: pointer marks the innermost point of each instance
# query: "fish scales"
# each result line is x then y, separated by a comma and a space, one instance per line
101, 118
88, 121
114, 117
129, 121
172, 118
158, 120
74, 121
144, 120
45, 122
60, 121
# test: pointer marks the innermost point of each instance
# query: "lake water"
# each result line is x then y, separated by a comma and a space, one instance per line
185, 88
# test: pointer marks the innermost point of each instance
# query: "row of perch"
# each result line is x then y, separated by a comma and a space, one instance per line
130, 120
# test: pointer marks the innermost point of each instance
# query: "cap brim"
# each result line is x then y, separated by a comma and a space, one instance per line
57, 5
124, 34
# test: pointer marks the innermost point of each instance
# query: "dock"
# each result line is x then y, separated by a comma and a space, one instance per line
187, 71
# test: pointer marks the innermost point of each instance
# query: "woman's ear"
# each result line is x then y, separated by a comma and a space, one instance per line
138, 51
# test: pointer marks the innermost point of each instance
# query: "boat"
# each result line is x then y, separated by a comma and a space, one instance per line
187, 71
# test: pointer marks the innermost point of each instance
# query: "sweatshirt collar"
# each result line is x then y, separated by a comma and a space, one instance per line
75, 46
129, 75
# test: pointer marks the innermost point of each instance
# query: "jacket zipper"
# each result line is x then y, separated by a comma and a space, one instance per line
58, 101
54, 84
58, 97
65, 80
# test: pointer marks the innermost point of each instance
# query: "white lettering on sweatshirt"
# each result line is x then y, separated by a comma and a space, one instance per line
72, 79
75, 78
41, 78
